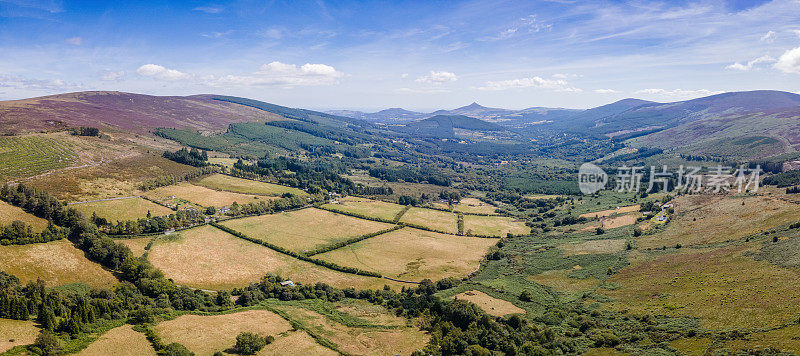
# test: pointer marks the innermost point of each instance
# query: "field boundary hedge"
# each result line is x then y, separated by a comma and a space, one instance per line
296, 255
350, 241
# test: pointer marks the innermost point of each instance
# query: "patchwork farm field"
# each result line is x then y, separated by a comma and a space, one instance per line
366, 207
493, 226
201, 195
413, 254
206, 334
16, 333
56, 263
122, 209
724, 287
137, 245
208, 258
433, 219
299, 342
708, 219
304, 230
9, 213
120, 341
489, 304
245, 186
380, 339
474, 206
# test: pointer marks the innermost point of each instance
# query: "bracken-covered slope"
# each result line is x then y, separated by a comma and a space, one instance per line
123, 111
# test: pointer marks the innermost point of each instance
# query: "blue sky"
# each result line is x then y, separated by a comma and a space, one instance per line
420, 55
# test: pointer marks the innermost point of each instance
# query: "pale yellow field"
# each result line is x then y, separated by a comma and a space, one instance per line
202, 195
474, 206
723, 287
122, 209
593, 246
560, 281
432, 219
493, 226
489, 304
305, 229
618, 221
9, 213
208, 258
120, 341
360, 341
413, 254
366, 207
56, 263
206, 334
708, 219
299, 342
22, 332
136, 245
618, 210
245, 186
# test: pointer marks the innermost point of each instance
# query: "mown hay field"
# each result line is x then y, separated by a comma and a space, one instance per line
57, 263
9, 213
208, 258
724, 287
122, 209
20, 331
609, 212
245, 186
201, 195
366, 207
119, 341
709, 219
474, 206
357, 340
299, 342
304, 229
493, 226
206, 334
433, 219
489, 304
413, 255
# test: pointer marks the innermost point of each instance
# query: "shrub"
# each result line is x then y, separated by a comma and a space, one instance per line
176, 349
248, 343
46, 344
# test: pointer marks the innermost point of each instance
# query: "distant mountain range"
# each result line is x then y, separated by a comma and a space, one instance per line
755, 117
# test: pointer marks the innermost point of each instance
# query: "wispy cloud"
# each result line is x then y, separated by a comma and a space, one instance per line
75, 41
678, 93
524, 25
437, 77
768, 37
209, 9
751, 64
606, 91
531, 82
112, 76
217, 34
23, 83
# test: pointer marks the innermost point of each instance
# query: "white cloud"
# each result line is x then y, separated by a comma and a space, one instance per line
111, 75
532, 82
606, 91
789, 61
566, 76
278, 73
217, 34
273, 33
404, 75
423, 91
750, 64
209, 9
160, 72
438, 77
769, 37
678, 93
75, 41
